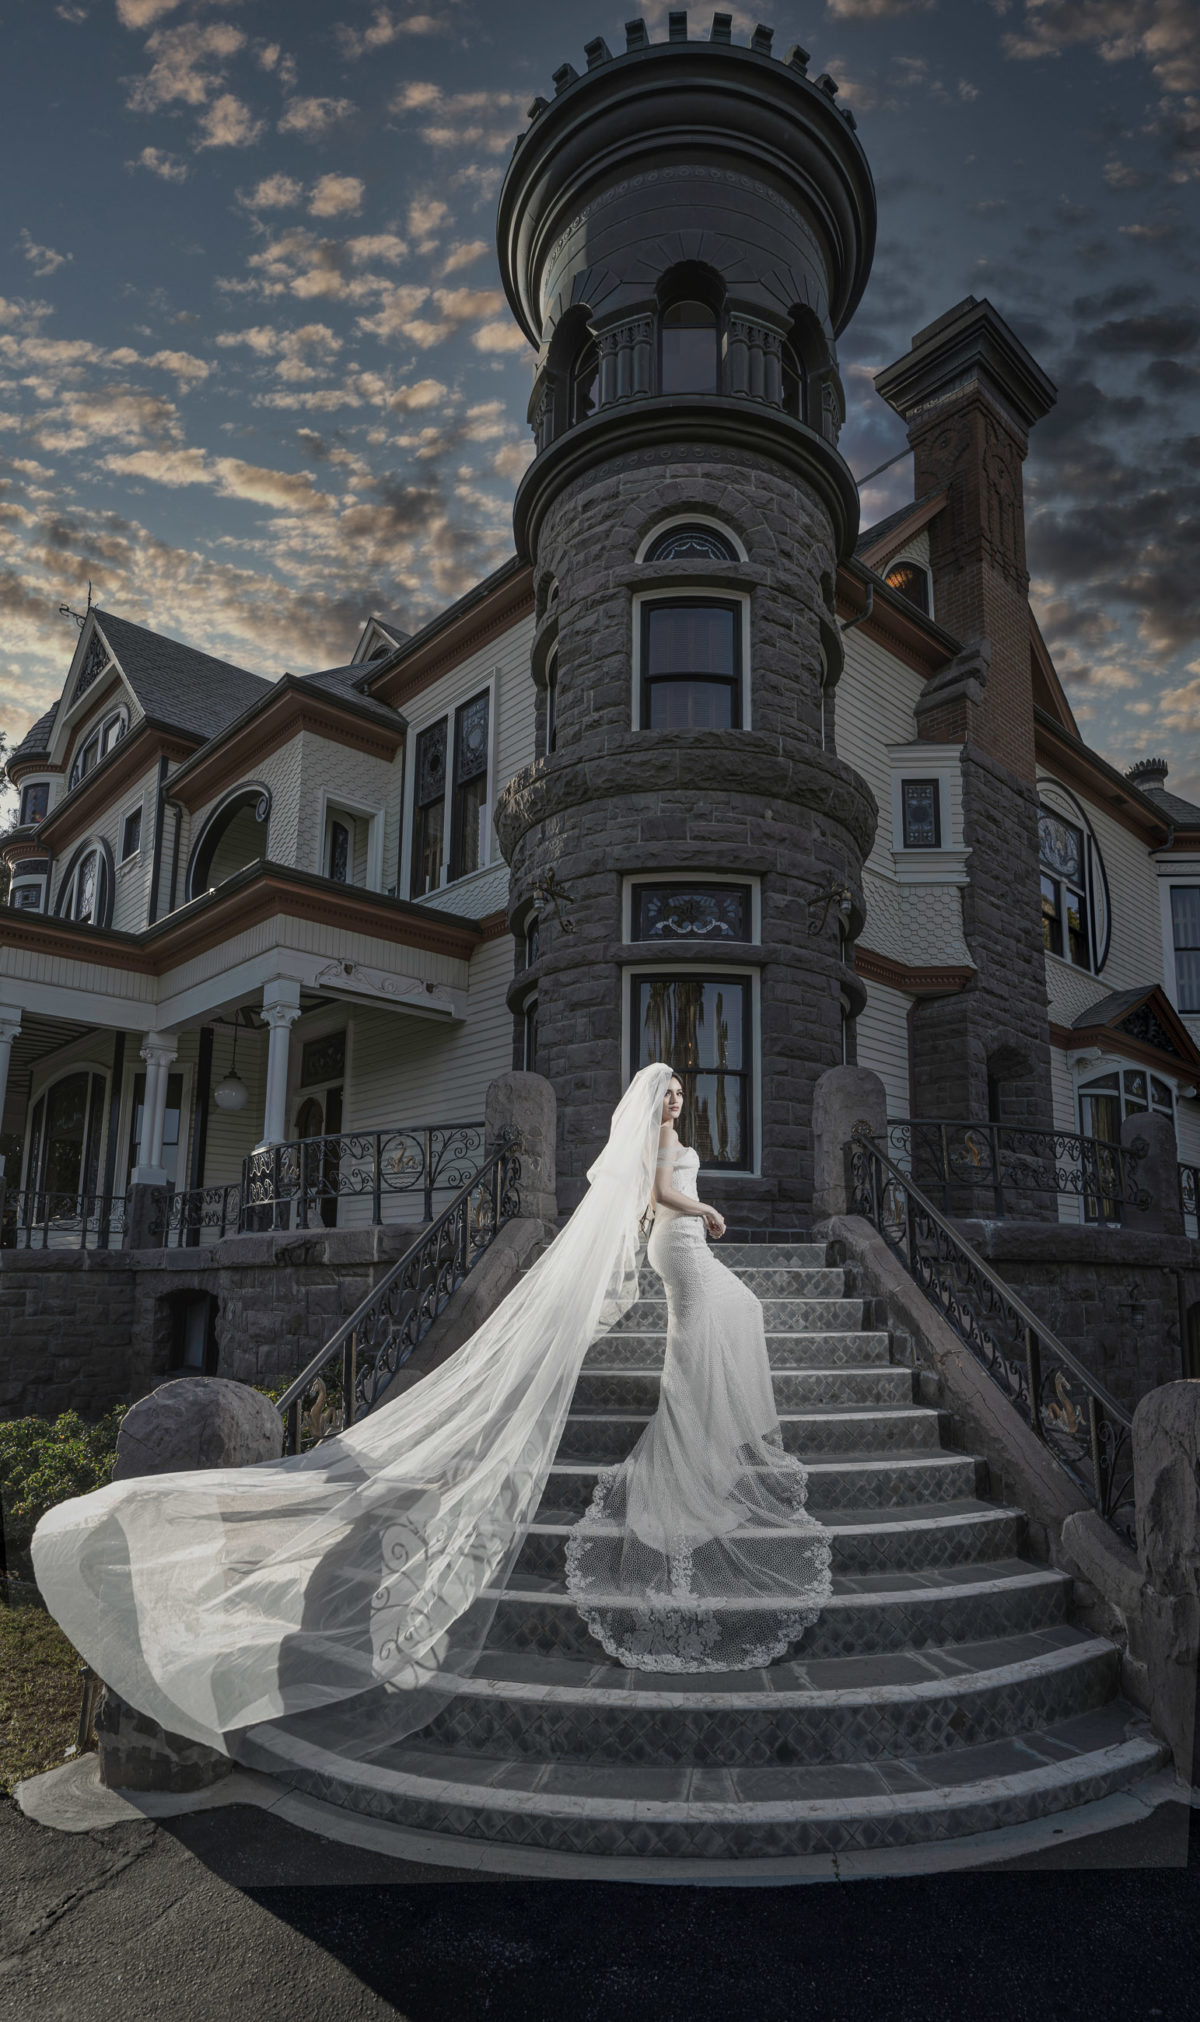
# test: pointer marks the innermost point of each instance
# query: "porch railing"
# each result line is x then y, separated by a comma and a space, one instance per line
303, 1183
61, 1221
1189, 1192
1074, 1416
201, 1215
995, 1169
349, 1376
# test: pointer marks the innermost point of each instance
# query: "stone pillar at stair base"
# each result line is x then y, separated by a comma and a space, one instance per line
845, 1100
145, 1211
192, 1422
526, 1102
1157, 1174
1166, 1462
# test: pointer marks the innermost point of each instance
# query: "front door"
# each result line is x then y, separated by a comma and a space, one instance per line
320, 1117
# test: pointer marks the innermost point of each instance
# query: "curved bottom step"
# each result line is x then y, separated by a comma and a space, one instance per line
713, 1814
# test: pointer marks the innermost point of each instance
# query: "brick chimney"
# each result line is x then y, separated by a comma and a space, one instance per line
970, 392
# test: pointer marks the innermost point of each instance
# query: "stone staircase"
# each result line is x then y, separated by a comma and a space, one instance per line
945, 1690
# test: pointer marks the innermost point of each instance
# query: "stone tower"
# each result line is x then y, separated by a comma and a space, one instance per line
683, 232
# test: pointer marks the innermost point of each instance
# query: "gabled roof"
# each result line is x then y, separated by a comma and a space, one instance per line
177, 684
878, 543
1048, 691
378, 632
1143, 1023
345, 683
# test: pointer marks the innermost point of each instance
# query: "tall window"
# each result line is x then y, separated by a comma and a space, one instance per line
468, 844
552, 701
339, 851
1103, 1102
1185, 921
35, 802
65, 1131
429, 811
529, 1035
701, 1025
795, 385
85, 896
691, 665
585, 374
1065, 912
688, 353
131, 834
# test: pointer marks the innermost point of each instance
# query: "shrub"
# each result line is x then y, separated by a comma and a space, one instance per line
44, 1461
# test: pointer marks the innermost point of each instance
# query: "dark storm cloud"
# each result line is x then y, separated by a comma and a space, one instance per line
1134, 545
1168, 377
1173, 330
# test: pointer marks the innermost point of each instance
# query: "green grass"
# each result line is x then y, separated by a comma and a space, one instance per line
39, 1693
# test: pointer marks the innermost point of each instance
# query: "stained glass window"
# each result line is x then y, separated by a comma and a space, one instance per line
921, 802
429, 811
910, 579
1066, 928
691, 544
323, 1059
35, 800
701, 1025
339, 852
470, 785
691, 913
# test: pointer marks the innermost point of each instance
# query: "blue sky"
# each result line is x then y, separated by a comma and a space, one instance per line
257, 377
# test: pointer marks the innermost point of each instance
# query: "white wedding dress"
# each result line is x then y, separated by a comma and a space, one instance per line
697, 1553
335, 1600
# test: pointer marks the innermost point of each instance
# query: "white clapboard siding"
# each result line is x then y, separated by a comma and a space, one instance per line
413, 1070
132, 895
234, 1133
882, 1043
873, 707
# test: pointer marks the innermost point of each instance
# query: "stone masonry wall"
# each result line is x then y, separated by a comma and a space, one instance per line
1114, 1297
85, 1331
613, 801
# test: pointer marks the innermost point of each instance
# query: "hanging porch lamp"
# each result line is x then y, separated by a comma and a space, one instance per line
232, 1092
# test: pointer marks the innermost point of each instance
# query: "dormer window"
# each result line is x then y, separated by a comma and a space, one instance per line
910, 580
97, 745
35, 803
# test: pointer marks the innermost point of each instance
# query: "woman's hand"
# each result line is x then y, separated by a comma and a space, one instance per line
714, 1223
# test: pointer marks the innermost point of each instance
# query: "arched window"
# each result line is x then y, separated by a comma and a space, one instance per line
66, 1125
910, 580
585, 382
795, 383
688, 349
234, 836
85, 894
691, 542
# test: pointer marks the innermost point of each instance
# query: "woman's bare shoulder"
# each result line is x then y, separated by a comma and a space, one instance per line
668, 1140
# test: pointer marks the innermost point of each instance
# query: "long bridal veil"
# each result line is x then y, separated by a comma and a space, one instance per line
332, 1599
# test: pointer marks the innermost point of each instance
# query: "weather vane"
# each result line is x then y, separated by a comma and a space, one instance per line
65, 611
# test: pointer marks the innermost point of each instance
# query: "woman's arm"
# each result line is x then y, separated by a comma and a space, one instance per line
668, 1196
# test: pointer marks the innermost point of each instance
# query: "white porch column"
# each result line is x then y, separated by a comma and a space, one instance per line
10, 1025
158, 1051
281, 1008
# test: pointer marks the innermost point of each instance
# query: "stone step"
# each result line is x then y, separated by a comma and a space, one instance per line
780, 1316
784, 1351
776, 1281
679, 1810
860, 1481
806, 1712
799, 1255
638, 1389
609, 1435
868, 1613
862, 1540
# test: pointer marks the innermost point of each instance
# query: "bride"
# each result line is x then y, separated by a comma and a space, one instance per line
697, 1553
332, 1601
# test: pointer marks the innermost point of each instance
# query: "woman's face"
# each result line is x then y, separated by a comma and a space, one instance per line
672, 1100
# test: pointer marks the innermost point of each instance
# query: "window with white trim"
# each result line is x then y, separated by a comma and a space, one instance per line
100, 740
703, 1026
1185, 926
84, 898
35, 803
691, 663
131, 834
1066, 912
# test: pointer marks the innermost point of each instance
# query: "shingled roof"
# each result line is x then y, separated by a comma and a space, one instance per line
178, 685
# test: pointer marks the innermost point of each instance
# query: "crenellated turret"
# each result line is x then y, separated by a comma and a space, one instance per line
684, 230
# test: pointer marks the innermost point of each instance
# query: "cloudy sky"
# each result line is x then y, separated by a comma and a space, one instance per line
257, 377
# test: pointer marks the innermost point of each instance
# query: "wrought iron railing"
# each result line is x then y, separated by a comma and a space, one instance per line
301, 1184
1073, 1415
1189, 1190
62, 1221
351, 1373
999, 1169
200, 1215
